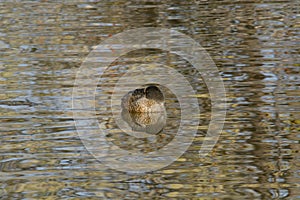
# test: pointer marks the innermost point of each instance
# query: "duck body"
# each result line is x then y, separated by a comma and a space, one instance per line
143, 100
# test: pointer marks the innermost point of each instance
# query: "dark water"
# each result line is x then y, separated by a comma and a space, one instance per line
255, 45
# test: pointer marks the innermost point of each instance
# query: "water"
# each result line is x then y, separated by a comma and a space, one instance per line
255, 46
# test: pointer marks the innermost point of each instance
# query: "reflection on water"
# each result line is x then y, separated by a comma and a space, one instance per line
151, 123
254, 44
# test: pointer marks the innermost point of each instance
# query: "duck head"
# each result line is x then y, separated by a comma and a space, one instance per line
154, 93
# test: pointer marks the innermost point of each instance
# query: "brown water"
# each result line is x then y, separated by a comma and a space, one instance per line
255, 45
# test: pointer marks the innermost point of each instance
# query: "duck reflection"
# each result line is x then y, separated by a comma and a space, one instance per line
152, 123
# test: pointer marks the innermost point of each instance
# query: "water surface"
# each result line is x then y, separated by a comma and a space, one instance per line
255, 45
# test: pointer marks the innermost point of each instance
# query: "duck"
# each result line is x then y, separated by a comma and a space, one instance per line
148, 99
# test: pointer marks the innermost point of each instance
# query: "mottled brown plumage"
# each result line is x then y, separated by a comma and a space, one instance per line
149, 99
